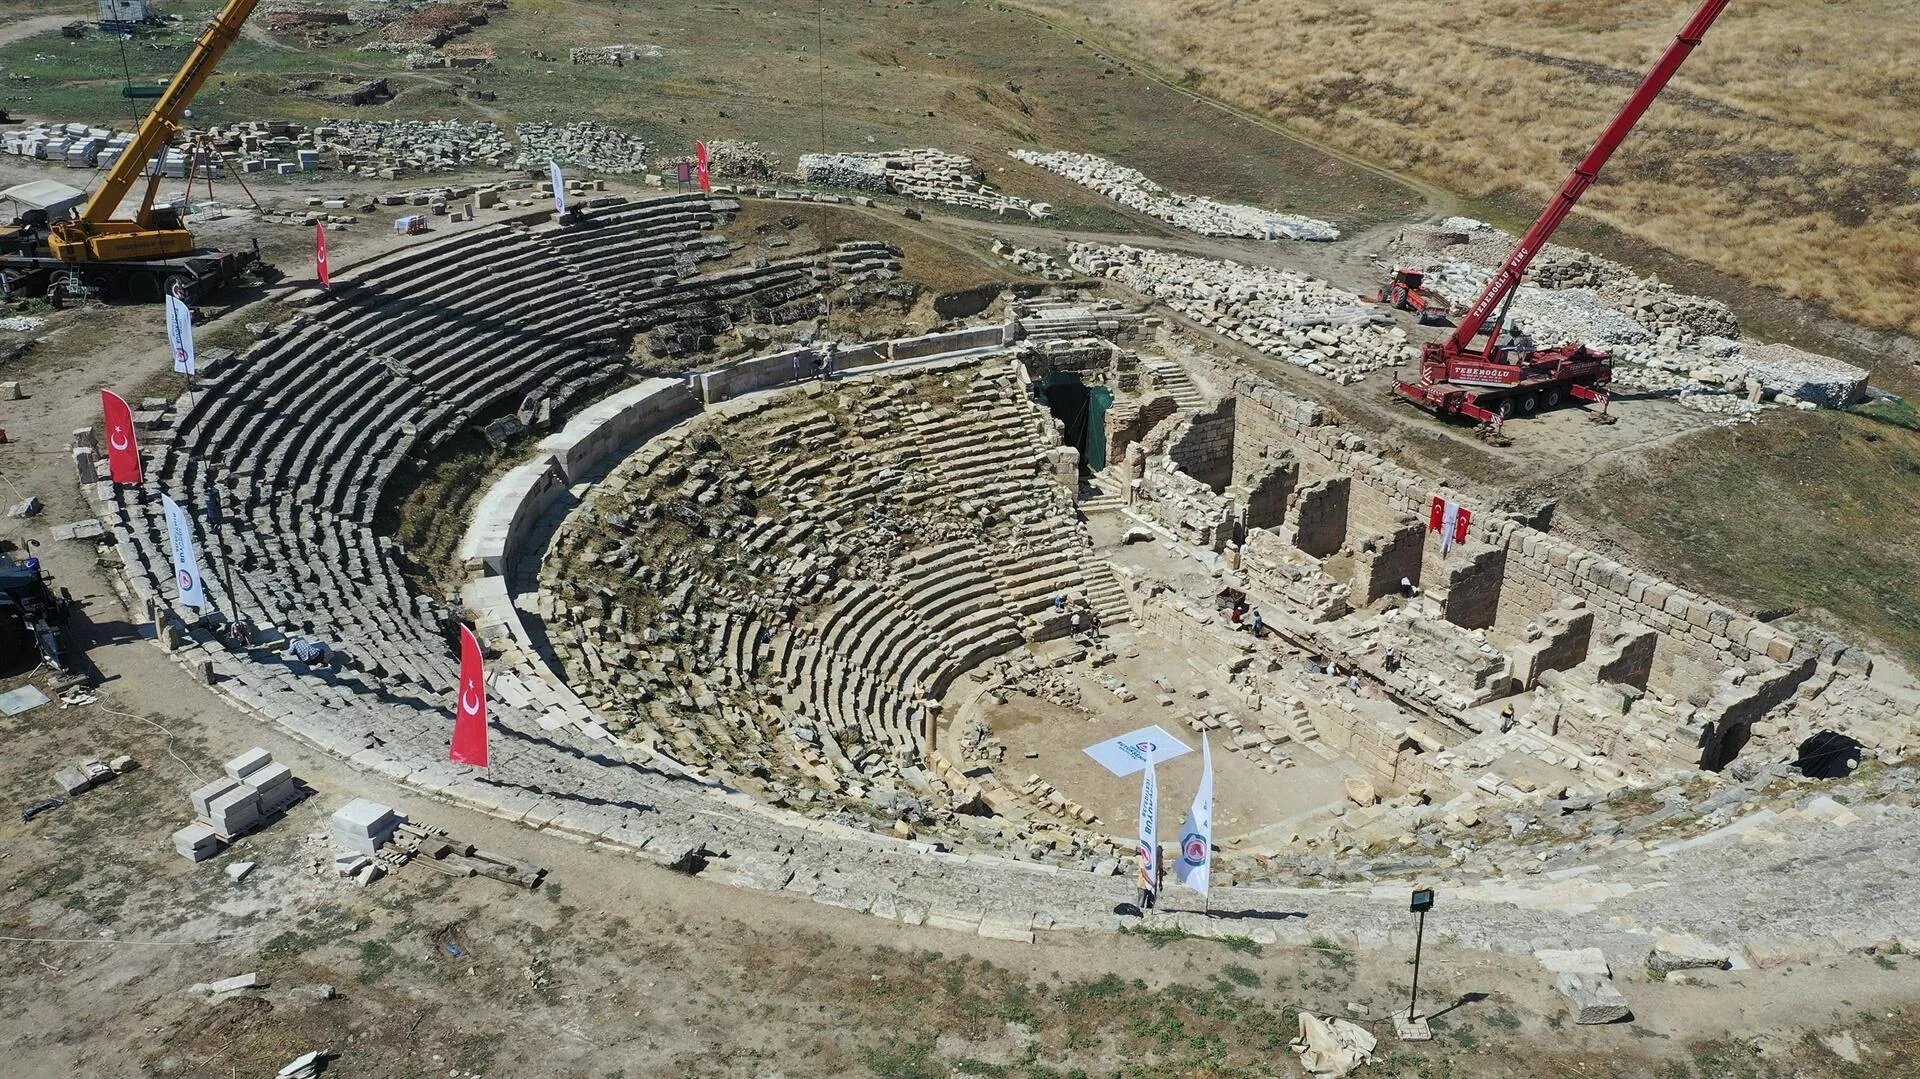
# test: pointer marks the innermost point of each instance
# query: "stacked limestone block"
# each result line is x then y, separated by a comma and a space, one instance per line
928, 174
1132, 189
1284, 314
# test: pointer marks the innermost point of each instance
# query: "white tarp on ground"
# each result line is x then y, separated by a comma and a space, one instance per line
1332, 1047
1129, 753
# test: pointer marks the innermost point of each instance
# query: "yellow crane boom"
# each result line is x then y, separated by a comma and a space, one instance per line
94, 234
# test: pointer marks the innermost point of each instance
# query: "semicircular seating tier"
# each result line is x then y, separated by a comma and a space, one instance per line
284, 453
794, 585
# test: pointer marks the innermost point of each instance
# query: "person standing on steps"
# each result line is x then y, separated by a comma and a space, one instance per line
1259, 625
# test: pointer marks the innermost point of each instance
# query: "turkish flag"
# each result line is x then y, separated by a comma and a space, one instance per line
470, 710
700, 165
123, 445
1436, 513
320, 255
1464, 515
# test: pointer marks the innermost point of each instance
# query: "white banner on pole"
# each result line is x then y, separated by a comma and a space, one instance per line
1196, 835
559, 187
1149, 829
1131, 752
180, 335
186, 563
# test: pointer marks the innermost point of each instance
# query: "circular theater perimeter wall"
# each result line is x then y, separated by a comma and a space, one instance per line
300, 452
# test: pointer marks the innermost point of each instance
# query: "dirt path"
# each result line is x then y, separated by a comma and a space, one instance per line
20, 29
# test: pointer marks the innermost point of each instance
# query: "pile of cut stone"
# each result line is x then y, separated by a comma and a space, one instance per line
388, 148
746, 160
930, 175
1132, 189
255, 147
1287, 315
1034, 262
1661, 339
614, 55
588, 145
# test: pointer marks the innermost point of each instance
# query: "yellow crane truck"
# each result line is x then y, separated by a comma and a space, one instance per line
144, 257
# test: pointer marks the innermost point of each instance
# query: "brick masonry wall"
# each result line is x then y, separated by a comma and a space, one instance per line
1203, 448
1317, 519
1382, 558
1539, 567
1547, 565
1263, 496
1130, 424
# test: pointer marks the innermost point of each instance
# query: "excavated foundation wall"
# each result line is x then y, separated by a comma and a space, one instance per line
1508, 573
1203, 448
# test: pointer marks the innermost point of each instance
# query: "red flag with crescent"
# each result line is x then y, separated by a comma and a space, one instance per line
320, 255
700, 165
123, 445
470, 709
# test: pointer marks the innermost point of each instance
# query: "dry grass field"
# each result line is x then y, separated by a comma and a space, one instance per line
1784, 153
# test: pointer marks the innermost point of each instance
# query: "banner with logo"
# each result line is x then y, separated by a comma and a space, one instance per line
180, 335
1132, 751
470, 708
1196, 835
320, 255
1149, 851
123, 444
700, 165
559, 187
186, 562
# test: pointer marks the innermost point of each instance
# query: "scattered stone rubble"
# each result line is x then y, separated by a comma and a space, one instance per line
736, 159
389, 148
1282, 313
1660, 338
930, 175
586, 145
614, 55
1033, 262
1195, 213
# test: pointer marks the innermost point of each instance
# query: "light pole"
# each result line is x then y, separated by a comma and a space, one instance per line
1414, 1028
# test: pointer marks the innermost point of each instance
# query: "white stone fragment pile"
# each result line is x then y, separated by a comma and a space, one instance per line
1287, 315
1132, 189
928, 174
1661, 339
587, 145
393, 147
740, 160
1033, 262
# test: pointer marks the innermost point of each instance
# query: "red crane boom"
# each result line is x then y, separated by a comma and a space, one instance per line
1452, 371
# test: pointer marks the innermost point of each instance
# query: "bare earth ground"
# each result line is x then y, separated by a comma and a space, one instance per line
621, 969
1782, 154
615, 968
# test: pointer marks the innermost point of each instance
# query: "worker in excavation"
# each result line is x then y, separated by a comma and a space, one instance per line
1506, 719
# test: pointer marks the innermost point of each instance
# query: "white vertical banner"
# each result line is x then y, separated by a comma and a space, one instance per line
1196, 835
1149, 829
1449, 524
186, 563
180, 335
559, 187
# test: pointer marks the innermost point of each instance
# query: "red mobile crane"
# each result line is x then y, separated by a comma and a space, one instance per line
1487, 381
